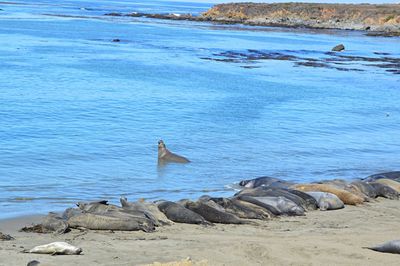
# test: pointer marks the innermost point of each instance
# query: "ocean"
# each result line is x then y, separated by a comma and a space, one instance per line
81, 113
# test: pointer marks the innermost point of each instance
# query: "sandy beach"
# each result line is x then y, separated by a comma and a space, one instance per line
319, 238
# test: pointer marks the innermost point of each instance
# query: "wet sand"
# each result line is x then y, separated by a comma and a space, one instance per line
319, 238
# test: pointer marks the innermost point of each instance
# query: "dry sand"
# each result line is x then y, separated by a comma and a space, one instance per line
319, 238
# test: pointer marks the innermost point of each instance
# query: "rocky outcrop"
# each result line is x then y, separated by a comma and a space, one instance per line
379, 18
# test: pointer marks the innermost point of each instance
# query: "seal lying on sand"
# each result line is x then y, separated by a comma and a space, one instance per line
395, 175
276, 192
165, 156
364, 188
212, 213
117, 221
326, 201
275, 205
388, 247
240, 208
265, 181
54, 223
385, 191
177, 213
56, 248
150, 210
343, 195
391, 183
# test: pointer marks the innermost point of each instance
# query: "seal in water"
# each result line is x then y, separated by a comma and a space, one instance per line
165, 156
388, 247
55, 248
177, 213
326, 201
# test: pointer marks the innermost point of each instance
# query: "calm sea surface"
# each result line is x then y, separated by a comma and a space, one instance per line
80, 115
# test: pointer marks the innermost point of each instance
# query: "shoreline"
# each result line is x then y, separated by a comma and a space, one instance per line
320, 237
374, 20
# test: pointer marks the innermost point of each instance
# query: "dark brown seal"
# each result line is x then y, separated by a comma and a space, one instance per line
165, 156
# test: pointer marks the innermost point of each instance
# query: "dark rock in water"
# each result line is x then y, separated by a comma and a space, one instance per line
384, 191
177, 213
338, 48
33, 263
388, 247
212, 214
116, 40
395, 175
5, 237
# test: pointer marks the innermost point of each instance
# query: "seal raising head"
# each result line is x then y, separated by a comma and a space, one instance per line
165, 156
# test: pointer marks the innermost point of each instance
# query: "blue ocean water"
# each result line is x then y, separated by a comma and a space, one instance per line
80, 115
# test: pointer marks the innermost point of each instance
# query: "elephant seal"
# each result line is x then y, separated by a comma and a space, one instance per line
271, 209
395, 175
212, 213
275, 192
242, 209
54, 223
33, 263
311, 203
385, 191
149, 209
115, 221
283, 205
265, 181
326, 201
165, 156
69, 212
343, 195
364, 188
177, 213
391, 183
55, 248
387, 247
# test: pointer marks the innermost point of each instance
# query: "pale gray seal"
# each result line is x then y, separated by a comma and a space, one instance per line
165, 156
326, 200
213, 213
177, 213
388, 247
56, 248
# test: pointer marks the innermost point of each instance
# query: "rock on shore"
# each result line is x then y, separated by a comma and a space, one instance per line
379, 18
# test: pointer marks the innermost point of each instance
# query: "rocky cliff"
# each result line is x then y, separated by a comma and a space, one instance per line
380, 18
